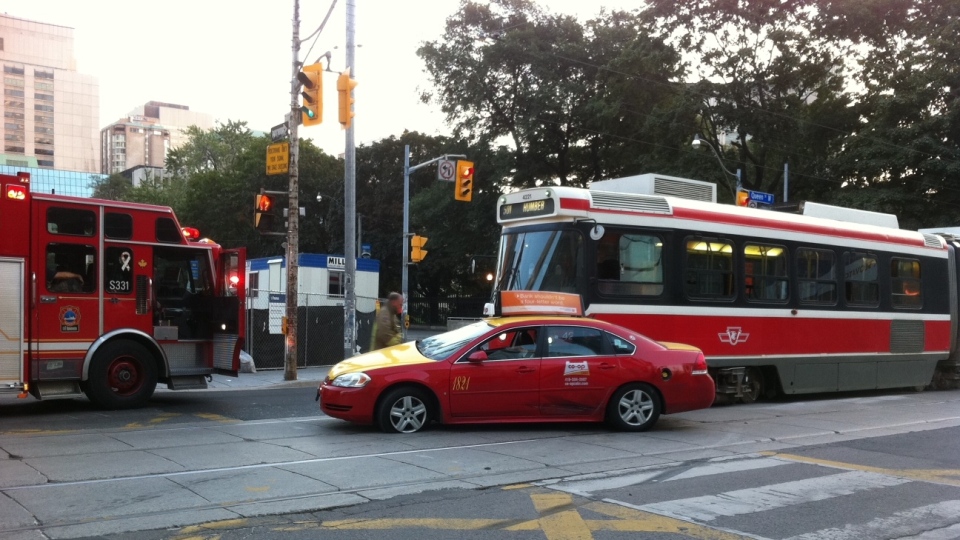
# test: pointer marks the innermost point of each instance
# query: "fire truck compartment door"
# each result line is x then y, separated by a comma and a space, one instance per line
11, 320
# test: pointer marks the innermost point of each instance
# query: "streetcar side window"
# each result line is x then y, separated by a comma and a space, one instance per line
861, 279
630, 264
905, 283
765, 273
816, 276
709, 269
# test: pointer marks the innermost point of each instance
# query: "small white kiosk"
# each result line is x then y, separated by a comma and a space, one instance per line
321, 287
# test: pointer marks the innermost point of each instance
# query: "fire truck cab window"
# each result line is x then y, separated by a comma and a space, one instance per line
118, 226
71, 268
168, 232
71, 221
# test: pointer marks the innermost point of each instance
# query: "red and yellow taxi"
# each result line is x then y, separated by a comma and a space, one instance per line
530, 368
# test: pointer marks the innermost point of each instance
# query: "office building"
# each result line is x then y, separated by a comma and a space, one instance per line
139, 143
50, 110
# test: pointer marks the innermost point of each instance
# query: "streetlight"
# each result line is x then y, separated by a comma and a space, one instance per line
696, 144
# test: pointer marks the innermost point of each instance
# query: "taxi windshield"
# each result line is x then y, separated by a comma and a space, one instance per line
441, 346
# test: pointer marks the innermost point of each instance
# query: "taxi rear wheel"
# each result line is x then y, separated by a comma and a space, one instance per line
404, 410
634, 407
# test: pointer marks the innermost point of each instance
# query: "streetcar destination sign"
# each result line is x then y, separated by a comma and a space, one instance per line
544, 207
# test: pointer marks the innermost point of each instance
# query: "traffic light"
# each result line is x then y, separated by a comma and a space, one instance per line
263, 216
743, 198
464, 184
312, 108
417, 253
345, 86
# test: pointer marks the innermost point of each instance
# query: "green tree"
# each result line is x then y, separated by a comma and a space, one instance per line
115, 187
904, 156
769, 90
574, 102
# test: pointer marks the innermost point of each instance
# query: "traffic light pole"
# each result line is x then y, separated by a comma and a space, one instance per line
293, 212
407, 169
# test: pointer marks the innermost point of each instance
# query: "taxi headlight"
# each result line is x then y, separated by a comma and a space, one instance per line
352, 380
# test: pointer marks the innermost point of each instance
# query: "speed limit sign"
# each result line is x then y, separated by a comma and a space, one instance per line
446, 170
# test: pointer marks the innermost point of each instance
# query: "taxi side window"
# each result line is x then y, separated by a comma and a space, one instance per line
511, 345
620, 345
574, 341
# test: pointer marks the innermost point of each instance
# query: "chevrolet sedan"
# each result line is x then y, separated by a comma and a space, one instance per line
520, 369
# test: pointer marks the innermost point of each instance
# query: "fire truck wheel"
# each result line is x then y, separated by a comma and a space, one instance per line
122, 375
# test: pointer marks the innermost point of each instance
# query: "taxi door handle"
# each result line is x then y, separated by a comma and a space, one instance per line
607, 366
525, 369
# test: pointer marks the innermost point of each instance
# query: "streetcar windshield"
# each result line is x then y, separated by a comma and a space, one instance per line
540, 261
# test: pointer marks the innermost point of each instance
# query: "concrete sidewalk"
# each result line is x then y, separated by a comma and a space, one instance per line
263, 378
306, 376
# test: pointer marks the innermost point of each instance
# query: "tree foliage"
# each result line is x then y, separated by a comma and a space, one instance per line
574, 102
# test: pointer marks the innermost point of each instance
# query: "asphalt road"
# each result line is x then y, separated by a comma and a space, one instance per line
266, 464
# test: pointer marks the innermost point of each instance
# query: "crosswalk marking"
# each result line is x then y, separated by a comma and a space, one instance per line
936, 520
748, 501
661, 473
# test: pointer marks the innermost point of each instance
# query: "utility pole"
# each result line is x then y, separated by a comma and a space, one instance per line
293, 212
350, 206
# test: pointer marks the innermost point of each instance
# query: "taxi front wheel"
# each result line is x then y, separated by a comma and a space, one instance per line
403, 410
634, 407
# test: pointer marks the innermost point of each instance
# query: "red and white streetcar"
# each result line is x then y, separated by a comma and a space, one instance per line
833, 299
109, 298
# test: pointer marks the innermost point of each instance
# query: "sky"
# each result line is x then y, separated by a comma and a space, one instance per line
233, 59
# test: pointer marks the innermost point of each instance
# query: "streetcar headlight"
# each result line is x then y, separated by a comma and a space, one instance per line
352, 380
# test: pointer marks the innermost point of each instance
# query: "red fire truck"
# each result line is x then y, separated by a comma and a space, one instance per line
109, 298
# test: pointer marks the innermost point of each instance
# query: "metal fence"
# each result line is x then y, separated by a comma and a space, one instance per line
435, 311
320, 323
320, 320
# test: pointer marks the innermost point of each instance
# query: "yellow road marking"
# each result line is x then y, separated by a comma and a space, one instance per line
516, 486
216, 418
559, 524
560, 520
950, 477
153, 421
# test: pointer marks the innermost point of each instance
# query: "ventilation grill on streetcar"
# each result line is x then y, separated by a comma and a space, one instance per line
932, 240
683, 190
636, 203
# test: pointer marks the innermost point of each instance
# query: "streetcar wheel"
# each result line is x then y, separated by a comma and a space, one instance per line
404, 410
635, 407
753, 386
122, 375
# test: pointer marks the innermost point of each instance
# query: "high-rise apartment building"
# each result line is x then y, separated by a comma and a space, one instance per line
50, 111
141, 141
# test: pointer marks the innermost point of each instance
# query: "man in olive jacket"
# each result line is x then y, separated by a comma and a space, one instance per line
386, 328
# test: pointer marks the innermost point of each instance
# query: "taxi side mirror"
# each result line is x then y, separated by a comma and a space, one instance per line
477, 356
